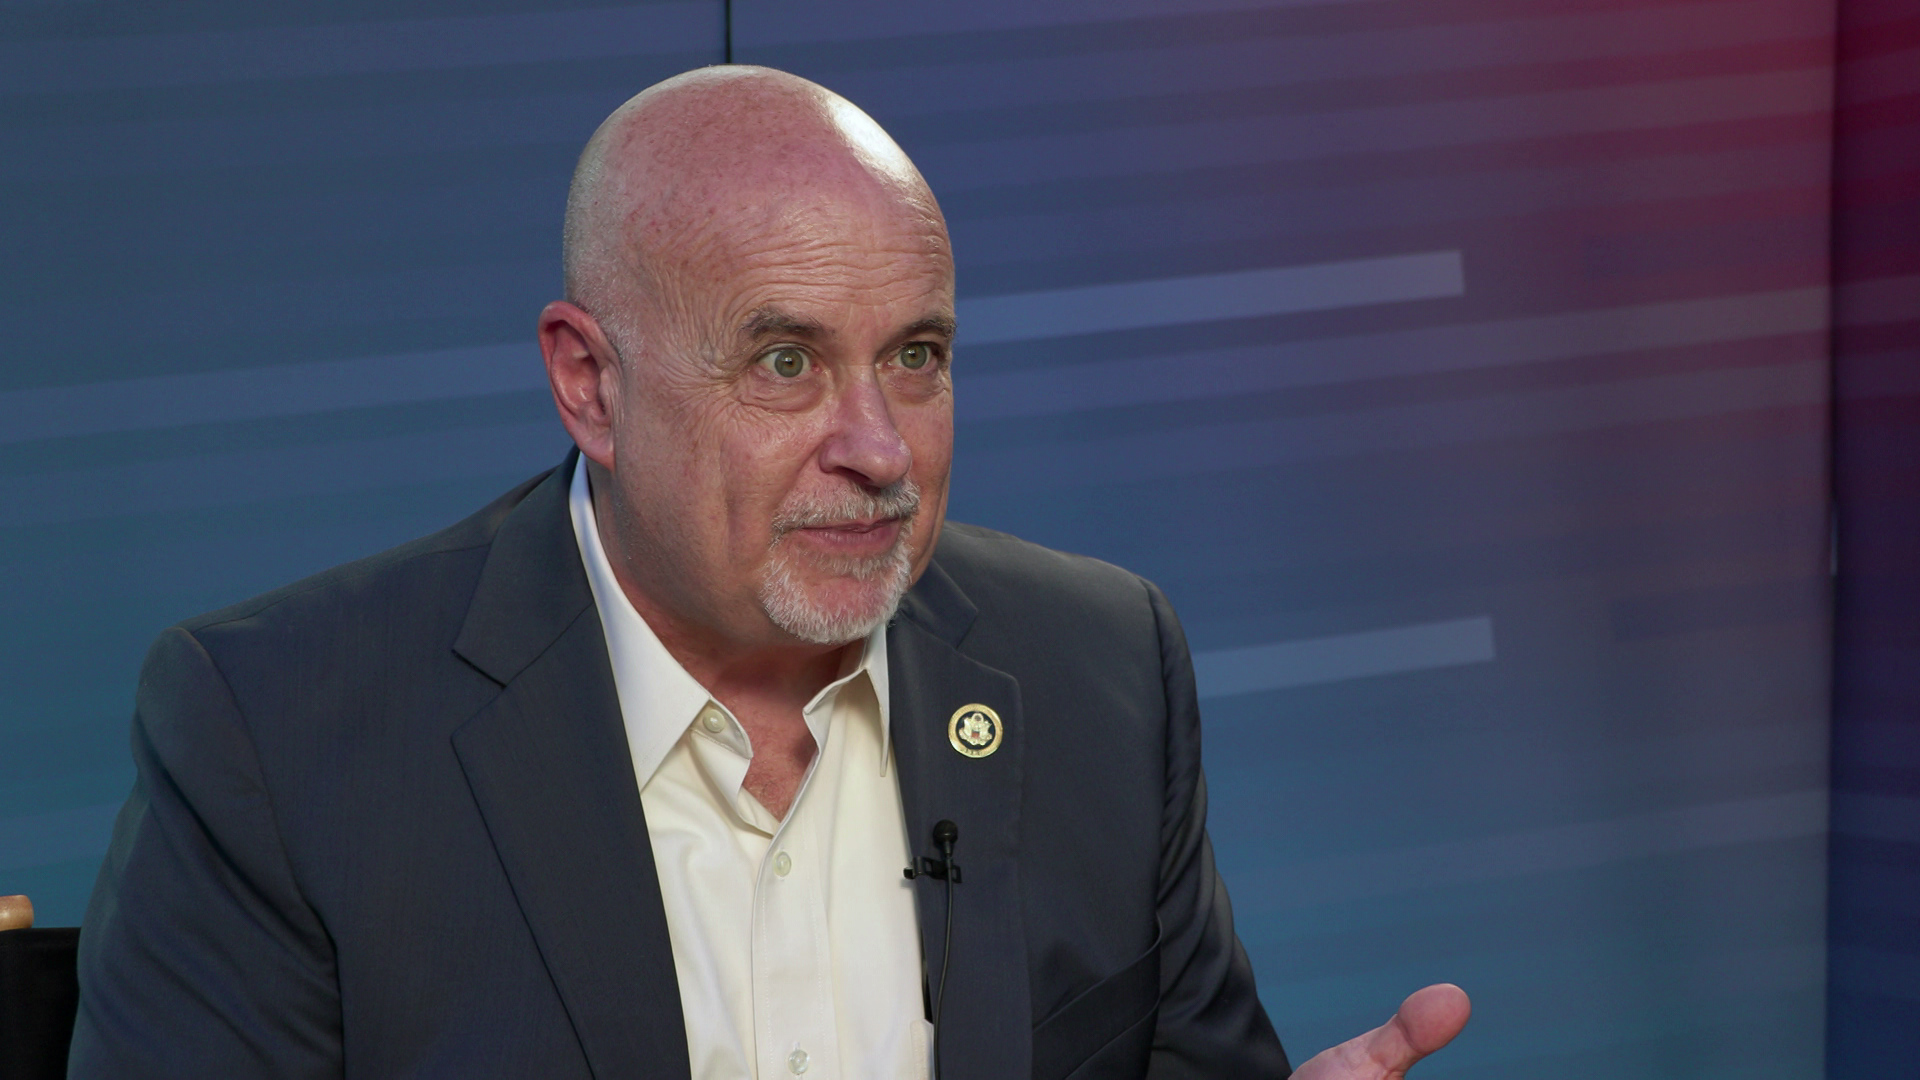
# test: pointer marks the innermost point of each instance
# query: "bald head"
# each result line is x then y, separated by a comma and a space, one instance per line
754, 357
715, 159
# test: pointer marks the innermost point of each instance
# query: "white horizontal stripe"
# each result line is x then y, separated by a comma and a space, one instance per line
164, 401
198, 143
1536, 414
1134, 305
121, 61
1340, 657
520, 448
55, 836
1242, 141
507, 449
503, 453
1347, 877
922, 82
779, 22
1416, 202
1398, 353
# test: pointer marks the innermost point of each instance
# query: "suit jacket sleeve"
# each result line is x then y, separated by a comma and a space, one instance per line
199, 955
1211, 1023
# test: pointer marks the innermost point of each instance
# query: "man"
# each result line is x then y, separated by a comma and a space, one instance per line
618, 777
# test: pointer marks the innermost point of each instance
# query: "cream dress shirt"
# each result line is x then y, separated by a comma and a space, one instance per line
795, 942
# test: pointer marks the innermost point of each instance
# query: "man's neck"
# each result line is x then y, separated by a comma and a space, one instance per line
767, 690
783, 675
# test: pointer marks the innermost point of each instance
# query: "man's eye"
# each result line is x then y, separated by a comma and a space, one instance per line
915, 356
787, 362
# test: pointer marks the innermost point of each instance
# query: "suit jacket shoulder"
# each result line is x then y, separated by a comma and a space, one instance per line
302, 812
989, 564
1074, 606
443, 565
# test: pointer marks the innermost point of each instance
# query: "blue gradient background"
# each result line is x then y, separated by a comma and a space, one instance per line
1461, 368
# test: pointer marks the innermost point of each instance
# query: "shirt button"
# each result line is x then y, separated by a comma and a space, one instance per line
797, 1062
783, 865
713, 721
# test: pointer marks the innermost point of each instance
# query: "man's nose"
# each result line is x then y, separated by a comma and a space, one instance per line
864, 444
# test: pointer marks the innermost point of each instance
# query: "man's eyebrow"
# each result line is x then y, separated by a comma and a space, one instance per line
942, 325
772, 322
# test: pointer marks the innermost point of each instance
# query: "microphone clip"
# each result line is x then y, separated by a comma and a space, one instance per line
945, 834
937, 869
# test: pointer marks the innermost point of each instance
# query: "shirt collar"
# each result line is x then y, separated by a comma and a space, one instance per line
658, 698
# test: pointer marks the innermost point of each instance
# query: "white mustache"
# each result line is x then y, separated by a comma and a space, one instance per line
899, 500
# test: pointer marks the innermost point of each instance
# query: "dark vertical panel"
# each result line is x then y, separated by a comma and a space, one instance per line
270, 277
1460, 367
1874, 996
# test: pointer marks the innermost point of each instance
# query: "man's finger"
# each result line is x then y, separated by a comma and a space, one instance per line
1427, 1021
16, 913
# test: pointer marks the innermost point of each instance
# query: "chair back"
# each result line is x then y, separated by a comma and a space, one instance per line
39, 994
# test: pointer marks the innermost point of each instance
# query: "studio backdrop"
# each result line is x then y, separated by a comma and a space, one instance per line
1460, 368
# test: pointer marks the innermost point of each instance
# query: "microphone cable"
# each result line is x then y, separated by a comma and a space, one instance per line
945, 833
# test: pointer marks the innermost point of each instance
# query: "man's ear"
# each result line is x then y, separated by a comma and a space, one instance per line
582, 371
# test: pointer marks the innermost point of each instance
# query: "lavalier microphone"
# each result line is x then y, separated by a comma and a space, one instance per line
945, 834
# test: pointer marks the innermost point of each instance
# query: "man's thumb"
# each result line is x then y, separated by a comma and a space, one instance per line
1427, 1021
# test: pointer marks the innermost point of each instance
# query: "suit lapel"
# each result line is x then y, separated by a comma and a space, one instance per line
986, 1018
548, 764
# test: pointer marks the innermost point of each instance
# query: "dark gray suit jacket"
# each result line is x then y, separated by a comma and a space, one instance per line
386, 825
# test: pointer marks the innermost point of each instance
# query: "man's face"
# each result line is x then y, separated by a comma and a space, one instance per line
784, 419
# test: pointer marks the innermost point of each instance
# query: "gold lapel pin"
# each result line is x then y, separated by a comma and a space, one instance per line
975, 730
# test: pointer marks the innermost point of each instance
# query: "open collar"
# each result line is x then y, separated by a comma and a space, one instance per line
659, 698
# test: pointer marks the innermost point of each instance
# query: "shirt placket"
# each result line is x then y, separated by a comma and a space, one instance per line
792, 970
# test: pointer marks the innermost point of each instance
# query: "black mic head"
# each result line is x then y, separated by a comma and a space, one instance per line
945, 832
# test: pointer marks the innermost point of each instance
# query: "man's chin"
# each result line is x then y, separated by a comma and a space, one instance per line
833, 611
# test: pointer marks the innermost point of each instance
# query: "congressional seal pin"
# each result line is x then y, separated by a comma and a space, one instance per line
975, 730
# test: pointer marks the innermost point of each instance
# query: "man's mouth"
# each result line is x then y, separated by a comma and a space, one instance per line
863, 525
853, 529
865, 537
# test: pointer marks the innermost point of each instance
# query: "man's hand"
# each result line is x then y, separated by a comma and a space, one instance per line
1426, 1022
